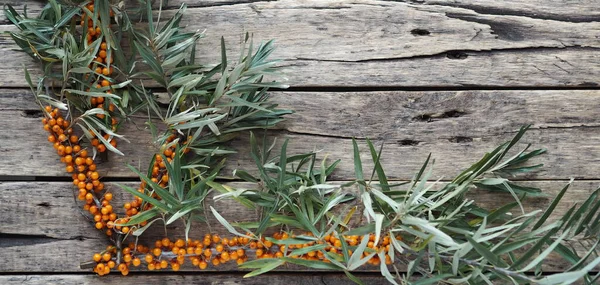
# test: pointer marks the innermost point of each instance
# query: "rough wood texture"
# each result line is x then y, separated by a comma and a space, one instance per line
42, 221
456, 127
332, 46
380, 43
219, 278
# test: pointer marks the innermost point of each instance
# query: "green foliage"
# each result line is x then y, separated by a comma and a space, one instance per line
292, 193
436, 229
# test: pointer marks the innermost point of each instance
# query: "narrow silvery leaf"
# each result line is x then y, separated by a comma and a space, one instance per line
378, 223
395, 205
358, 251
225, 223
568, 277
367, 202
439, 236
384, 270
544, 253
397, 245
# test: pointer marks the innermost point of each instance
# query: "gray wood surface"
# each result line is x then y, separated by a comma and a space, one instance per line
382, 43
456, 127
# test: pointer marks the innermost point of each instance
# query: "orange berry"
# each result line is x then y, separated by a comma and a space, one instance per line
175, 266
259, 252
156, 251
207, 252
97, 257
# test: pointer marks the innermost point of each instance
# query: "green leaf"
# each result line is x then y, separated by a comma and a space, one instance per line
316, 264
225, 223
145, 197
282, 166
307, 249
568, 277
142, 216
274, 263
378, 168
353, 278
150, 59
184, 211
161, 192
358, 170
487, 254
223, 56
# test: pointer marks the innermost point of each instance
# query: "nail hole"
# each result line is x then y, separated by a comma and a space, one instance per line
460, 139
419, 32
447, 114
32, 114
408, 142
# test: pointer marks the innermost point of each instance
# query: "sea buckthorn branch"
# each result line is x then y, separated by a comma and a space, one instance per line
410, 223
420, 223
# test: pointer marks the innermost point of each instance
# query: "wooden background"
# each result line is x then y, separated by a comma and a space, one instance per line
449, 77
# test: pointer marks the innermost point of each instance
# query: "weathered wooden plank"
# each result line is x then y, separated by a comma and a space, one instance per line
376, 43
456, 127
174, 279
49, 210
43, 230
582, 11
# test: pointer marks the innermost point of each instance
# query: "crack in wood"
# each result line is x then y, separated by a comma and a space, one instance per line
11, 240
465, 52
501, 30
506, 11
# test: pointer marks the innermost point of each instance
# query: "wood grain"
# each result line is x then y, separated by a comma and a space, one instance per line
42, 222
379, 43
49, 210
456, 127
213, 278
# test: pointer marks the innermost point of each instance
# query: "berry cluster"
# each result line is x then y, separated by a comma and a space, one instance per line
82, 166
159, 176
102, 71
213, 249
216, 250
